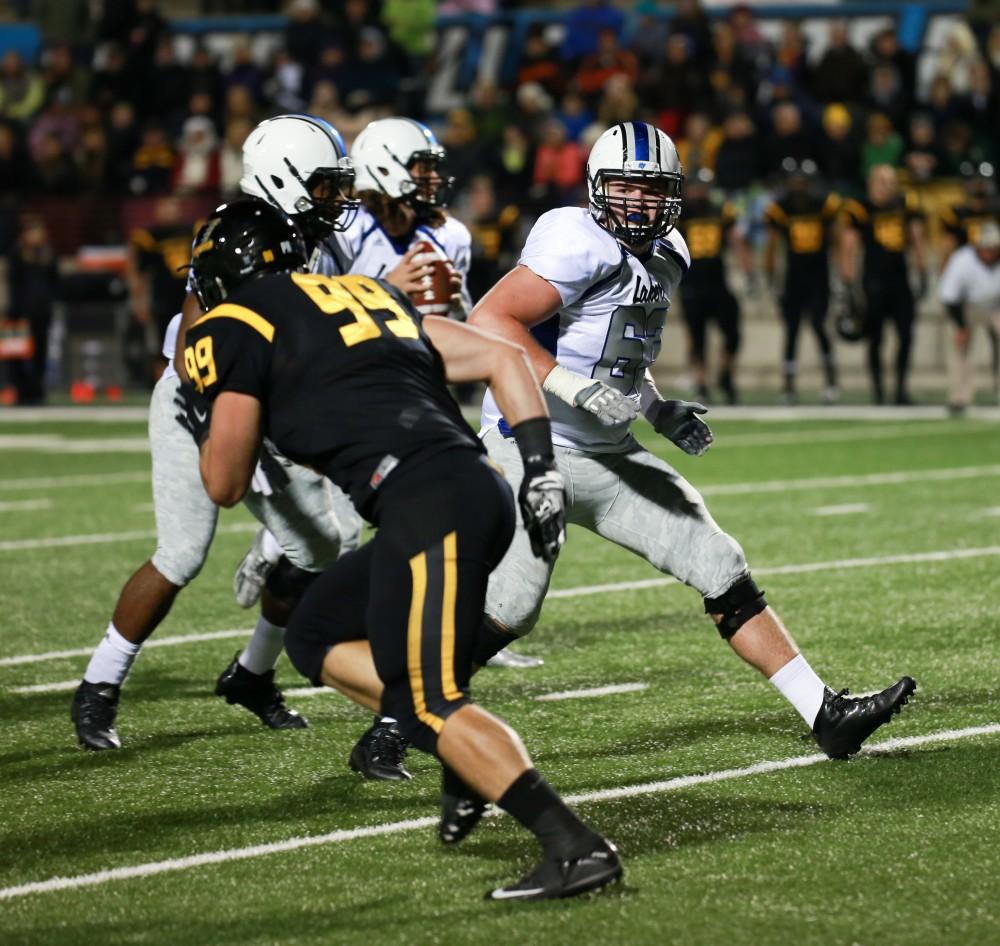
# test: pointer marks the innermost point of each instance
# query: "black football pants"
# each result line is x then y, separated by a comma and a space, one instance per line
416, 591
889, 301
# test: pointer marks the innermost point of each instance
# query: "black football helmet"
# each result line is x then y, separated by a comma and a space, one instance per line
242, 240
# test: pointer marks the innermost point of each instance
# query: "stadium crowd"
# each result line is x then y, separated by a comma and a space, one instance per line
113, 111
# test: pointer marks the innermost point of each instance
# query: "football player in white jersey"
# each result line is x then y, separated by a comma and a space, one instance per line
588, 302
300, 164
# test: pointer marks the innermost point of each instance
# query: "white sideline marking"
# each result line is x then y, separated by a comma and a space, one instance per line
67, 482
102, 414
802, 568
397, 827
844, 509
60, 687
152, 642
843, 435
593, 691
867, 479
992, 511
101, 538
24, 505
307, 691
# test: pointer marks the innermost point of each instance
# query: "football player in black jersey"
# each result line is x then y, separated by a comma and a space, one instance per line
883, 228
343, 375
802, 218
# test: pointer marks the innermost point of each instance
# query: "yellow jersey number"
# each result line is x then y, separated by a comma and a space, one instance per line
200, 363
360, 296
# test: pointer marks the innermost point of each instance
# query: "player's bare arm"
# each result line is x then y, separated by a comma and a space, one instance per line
229, 455
470, 354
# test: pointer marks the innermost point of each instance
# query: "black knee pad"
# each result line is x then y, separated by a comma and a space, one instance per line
306, 654
288, 582
737, 606
491, 640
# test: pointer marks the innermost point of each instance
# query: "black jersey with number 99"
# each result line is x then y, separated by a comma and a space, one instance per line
348, 381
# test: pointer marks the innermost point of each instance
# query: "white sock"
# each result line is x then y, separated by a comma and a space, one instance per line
270, 549
111, 661
798, 683
264, 647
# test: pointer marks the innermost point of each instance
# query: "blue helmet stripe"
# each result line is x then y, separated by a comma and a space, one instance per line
641, 141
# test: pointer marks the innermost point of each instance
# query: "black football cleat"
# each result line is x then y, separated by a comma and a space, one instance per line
95, 706
555, 879
459, 816
258, 693
844, 722
380, 753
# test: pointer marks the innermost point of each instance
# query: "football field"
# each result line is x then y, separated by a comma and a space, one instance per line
876, 538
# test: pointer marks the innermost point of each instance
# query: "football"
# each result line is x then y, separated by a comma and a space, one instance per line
434, 295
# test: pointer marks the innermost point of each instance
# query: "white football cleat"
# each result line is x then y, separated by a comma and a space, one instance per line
508, 658
248, 582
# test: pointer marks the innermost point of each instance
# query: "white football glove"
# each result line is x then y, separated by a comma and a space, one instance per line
609, 406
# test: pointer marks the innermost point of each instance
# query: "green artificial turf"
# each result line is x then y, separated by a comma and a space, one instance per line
896, 847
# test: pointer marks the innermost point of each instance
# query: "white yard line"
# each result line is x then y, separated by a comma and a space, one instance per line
152, 642
24, 505
414, 824
69, 482
101, 414
866, 479
63, 686
592, 692
944, 555
844, 509
842, 435
103, 538
57, 443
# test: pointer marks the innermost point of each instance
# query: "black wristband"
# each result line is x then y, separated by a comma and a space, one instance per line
534, 439
956, 312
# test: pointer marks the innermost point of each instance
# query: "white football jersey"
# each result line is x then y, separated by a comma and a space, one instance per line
611, 321
366, 249
967, 278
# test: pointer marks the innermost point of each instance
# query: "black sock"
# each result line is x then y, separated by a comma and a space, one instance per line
452, 785
533, 802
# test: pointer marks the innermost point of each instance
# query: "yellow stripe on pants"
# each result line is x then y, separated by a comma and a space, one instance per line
418, 573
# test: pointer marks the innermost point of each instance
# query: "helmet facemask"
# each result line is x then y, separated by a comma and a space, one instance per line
331, 204
637, 220
429, 189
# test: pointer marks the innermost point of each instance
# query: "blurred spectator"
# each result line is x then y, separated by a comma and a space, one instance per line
956, 57
840, 151
111, 80
737, 163
491, 112
886, 95
283, 89
22, 91
887, 51
231, 156
559, 166
52, 171
62, 22
922, 158
574, 114
790, 54
372, 80
58, 119
583, 25
788, 139
331, 66
882, 145
539, 65
305, 35
842, 73
732, 79
410, 24
651, 31
496, 235
246, 72
532, 109
981, 108
169, 87
146, 30
691, 21
608, 60
941, 102
13, 162
157, 267
33, 278
465, 153
152, 163
63, 78
699, 144
618, 104
752, 47
196, 170
123, 139
93, 161
513, 176
350, 17
674, 86
956, 148
203, 75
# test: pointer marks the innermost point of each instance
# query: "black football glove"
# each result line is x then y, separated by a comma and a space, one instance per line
679, 422
542, 499
194, 412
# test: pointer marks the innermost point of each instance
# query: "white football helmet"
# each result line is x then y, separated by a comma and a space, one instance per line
384, 155
635, 151
287, 160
